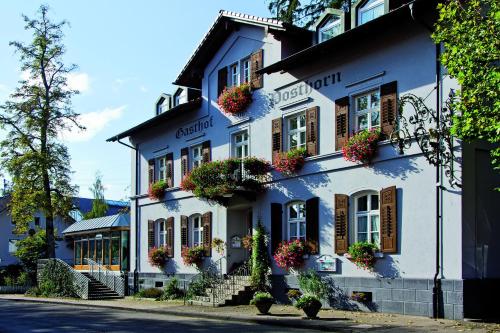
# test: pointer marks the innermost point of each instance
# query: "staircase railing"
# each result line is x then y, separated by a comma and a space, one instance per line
80, 281
232, 282
208, 278
107, 277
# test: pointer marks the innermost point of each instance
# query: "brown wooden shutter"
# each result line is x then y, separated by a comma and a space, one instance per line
221, 80
312, 131
277, 140
151, 234
276, 225
207, 233
170, 236
151, 171
389, 221
341, 122
169, 166
341, 223
205, 151
184, 231
312, 224
184, 161
256, 63
388, 107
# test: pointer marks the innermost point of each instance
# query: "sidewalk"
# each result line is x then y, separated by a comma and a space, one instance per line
281, 315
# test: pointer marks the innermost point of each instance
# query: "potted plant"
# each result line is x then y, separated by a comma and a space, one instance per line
247, 242
363, 254
262, 301
193, 255
158, 256
362, 146
288, 163
157, 190
219, 245
310, 304
234, 100
290, 254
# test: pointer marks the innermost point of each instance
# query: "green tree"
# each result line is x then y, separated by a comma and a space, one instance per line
469, 32
36, 112
301, 13
30, 249
260, 260
99, 205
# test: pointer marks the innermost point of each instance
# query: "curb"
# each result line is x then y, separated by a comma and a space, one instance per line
313, 324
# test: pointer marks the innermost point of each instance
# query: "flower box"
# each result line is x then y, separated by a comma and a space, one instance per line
362, 146
289, 163
290, 254
234, 100
156, 191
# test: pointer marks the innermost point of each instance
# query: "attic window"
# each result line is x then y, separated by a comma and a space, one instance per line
370, 11
331, 28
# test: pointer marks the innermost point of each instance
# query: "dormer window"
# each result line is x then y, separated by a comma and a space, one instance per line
331, 28
370, 11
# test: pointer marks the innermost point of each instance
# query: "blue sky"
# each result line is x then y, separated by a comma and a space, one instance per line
128, 52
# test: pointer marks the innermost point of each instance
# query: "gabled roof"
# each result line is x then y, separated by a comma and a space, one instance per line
105, 222
224, 25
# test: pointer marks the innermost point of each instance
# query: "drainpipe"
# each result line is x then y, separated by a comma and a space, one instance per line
136, 271
436, 289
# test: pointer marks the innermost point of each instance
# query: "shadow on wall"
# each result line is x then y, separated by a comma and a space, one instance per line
402, 169
387, 267
171, 205
337, 298
171, 267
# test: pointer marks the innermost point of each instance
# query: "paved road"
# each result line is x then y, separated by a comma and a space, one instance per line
43, 318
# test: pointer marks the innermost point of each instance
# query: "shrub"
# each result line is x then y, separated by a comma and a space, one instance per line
30, 249
290, 254
260, 259
158, 256
292, 161
199, 285
172, 290
363, 254
235, 99
193, 255
262, 297
56, 280
150, 293
306, 301
312, 284
362, 146
156, 191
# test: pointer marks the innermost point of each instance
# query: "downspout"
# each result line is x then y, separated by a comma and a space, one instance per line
136, 272
436, 289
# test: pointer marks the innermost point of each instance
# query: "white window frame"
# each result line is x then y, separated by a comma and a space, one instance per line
297, 221
195, 231
370, 7
298, 130
13, 245
368, 111
245, 70
234, 74
337, 21
196, 161
236, 145
368, 214
162, 234
162, 168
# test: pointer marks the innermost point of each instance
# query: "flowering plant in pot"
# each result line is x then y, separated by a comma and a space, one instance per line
234, 100
310, 304
292, 161
193, 255
363, 254
362, 146
158, 256
187, 184
290, 254
247, 242
157, 189
262, 301
219, 245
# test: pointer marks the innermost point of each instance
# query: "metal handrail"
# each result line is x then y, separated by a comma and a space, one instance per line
106, 277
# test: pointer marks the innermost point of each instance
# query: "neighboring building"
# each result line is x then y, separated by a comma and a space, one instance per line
312, 89
64, 249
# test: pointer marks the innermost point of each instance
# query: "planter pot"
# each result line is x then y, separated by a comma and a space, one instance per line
312, 310
263, 307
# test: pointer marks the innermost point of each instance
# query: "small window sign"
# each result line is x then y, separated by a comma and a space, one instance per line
326, 263
236, 242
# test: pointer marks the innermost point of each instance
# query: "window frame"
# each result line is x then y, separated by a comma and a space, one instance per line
194, 159
194, 230
246, 71
298, 221
162, 169
161, 234
337, 21
364, 8
368, 214
235, 145
368, 111
13, 245
234, 78
289, 132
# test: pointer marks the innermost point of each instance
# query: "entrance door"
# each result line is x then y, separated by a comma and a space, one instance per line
239, 225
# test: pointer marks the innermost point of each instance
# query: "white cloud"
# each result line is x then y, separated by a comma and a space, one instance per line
94, 122
76, 81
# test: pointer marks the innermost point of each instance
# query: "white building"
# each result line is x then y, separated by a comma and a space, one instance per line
312, 89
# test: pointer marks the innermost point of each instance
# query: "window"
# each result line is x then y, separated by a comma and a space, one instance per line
367, 110
162, 168
245, 70
367, 217
297, 221
240, 144
197, 231
330, 29
370, 10
234, 75
196, 156
12, 245
296, 131
162, 233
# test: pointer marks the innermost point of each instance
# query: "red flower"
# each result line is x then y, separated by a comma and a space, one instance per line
235, 99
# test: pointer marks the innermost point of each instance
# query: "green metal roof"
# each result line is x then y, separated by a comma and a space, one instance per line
105, 222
